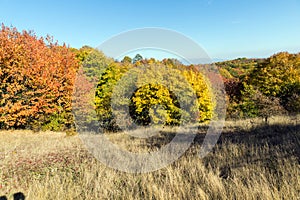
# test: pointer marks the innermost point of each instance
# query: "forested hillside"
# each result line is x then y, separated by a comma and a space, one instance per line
37, 83
262, 87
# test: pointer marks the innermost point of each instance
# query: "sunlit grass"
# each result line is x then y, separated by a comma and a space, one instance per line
251, 161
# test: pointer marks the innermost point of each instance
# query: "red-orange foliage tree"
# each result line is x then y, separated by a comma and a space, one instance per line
36, 81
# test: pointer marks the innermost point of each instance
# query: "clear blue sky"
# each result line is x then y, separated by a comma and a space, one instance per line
224, 28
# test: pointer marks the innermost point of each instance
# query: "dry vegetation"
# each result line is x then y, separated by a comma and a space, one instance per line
251, 161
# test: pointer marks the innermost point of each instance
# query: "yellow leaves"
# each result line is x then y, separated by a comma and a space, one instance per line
276, 74
161, 88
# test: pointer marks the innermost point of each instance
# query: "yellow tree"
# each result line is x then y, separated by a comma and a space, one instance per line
156, 92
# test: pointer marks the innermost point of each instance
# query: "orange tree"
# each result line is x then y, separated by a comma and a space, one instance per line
36, 81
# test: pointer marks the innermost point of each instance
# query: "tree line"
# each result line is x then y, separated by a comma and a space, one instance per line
37, 77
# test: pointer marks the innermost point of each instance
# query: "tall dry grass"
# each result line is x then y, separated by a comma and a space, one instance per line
250, 161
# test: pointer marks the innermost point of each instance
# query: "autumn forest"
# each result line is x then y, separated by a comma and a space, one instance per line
37, 81
54, 98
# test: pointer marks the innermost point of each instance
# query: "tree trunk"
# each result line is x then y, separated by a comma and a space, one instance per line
266, 120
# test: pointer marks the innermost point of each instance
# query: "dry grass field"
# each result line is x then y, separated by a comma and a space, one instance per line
252, 160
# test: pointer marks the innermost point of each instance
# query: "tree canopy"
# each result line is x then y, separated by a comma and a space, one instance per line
37, 77
36, 80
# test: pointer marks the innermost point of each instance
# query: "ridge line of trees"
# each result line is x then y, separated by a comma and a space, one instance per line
37, 77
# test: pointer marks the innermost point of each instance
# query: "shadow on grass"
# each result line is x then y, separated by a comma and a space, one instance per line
16, 196
264, 144
278, 138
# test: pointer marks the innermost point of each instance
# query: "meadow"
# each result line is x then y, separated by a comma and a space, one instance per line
252, 160
150, 76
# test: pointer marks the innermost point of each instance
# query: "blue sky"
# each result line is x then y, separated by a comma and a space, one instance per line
225, 29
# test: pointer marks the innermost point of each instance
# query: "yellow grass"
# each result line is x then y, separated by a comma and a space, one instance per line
251, 161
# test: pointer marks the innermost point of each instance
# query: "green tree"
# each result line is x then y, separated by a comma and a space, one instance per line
93, 61
137, 58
